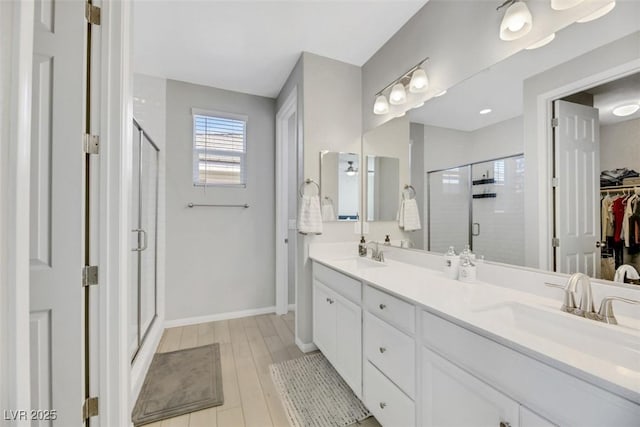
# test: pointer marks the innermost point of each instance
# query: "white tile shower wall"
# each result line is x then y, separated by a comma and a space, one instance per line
500, 220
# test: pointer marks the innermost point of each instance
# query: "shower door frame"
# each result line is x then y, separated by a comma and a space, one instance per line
141, 337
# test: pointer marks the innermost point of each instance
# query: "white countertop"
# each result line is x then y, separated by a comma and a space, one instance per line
470, 306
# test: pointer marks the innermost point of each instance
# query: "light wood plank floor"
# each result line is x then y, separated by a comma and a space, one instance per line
247, 347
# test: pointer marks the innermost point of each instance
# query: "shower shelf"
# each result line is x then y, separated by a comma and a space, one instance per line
485, 196
484, 181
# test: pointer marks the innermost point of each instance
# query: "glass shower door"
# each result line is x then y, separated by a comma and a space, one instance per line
448, 207
143, 285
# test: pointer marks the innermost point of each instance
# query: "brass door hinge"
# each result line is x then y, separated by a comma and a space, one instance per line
90, 407
92, 13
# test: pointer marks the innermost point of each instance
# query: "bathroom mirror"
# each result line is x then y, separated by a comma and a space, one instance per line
340, 186
481, 183
382, 188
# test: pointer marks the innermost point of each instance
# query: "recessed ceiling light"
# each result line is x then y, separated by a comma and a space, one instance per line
626, 110
545, 41
485, 111
598, 13
442, 92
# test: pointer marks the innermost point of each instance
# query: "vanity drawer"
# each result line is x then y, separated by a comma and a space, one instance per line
387, 403
392, 309
344, 285
391, 351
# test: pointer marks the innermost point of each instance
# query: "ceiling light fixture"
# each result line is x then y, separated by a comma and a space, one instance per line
545, 41
598, 13
517, 20
351, 171
398, 95
564, 4
486, 111
626, 110
415, 79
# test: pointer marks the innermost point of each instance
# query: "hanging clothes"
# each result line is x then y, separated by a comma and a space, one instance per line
617, 208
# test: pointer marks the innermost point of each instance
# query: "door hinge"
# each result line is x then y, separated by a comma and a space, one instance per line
90, 407
555, 242
89, 275
554, 122
554, 182
92, 13
91, 144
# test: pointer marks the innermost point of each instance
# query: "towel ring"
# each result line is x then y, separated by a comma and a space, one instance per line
412, 192
306, 182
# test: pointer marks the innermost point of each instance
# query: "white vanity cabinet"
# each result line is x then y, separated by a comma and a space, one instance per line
337, 323
389, 353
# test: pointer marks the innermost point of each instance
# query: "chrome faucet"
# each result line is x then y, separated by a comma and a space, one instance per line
586, 308
376, 252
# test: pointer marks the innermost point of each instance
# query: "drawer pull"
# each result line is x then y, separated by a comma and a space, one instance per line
384, 405
382, 349
382, 306
504, 424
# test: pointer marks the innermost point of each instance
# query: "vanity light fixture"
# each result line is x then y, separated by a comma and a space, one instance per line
486, 111
351, 171
564, 4
419, 81
517, 20
545, 41
439, 94
598, 13
398, 95
415, 79
626, 110
381, 106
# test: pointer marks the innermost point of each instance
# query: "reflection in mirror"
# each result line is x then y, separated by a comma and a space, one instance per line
383, 188
339, 181
484, 118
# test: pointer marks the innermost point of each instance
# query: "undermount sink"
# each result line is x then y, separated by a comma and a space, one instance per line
618, 345
360, 263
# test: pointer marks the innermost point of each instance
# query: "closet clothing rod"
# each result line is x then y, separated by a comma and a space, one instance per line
619, 187
207, 205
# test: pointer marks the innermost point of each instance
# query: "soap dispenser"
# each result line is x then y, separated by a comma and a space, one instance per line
467, 269
362, 247
451, 263
387, 241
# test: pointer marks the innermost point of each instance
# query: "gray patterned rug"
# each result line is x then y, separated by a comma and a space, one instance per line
179, 382
314, 394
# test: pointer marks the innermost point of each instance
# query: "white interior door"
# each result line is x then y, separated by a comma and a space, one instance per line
577, 202
57, 211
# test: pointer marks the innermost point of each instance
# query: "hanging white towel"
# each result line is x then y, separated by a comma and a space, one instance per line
628, 270
328, 212
309, 216
409, 215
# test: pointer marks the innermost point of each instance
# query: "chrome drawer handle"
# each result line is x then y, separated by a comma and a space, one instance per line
382, 306
382, 349
504, 424
383, 405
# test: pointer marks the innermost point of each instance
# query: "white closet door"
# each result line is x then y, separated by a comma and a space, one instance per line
577, 168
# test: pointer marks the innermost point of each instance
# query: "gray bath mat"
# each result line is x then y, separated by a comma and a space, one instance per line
314, 394
180, 382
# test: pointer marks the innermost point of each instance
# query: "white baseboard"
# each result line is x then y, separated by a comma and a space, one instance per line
305, 347
220, 316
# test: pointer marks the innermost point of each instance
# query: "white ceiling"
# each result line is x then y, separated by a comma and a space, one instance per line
500, 86
252, 46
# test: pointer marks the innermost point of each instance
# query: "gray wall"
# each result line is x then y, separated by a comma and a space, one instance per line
620, 145
418, 178
459, 46
219, 260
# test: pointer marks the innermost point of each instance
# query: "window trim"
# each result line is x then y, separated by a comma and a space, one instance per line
194, 155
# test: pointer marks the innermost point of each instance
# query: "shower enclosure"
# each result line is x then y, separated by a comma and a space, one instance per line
144, 216
480, 205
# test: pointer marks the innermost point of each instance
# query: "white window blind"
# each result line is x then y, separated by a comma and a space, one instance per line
219, 149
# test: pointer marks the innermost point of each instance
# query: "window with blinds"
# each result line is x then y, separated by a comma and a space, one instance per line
219, 149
